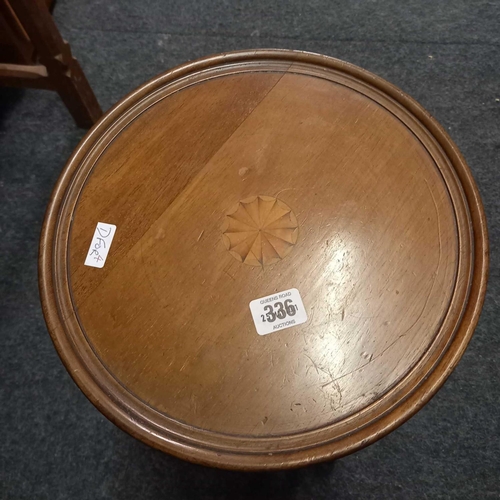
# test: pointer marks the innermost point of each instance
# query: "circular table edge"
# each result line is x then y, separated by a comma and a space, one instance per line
344, 445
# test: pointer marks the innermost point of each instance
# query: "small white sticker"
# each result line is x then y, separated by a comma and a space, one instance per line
100, 245
278, 311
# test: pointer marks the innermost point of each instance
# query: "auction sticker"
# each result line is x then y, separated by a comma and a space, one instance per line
100, 244
278, 311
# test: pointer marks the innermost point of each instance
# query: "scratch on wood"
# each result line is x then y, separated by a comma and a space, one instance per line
283, 190
225, 272
312, 361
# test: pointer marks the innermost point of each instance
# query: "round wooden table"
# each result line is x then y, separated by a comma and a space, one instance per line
263, 259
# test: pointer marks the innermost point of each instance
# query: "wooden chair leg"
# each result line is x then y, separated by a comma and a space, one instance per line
75, 91
64, 71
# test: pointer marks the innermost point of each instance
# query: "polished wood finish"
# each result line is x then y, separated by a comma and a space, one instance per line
32, 33
236, 177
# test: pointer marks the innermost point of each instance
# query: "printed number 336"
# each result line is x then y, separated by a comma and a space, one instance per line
281, 311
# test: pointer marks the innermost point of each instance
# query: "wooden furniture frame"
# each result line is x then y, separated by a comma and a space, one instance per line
47, 62
161, 339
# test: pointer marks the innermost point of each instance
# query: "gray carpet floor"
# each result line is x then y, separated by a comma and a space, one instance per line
54, 443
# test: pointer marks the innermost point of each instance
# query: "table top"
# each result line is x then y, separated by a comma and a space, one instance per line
304, 185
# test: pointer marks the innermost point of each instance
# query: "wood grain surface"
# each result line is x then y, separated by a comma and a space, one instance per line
236, 177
